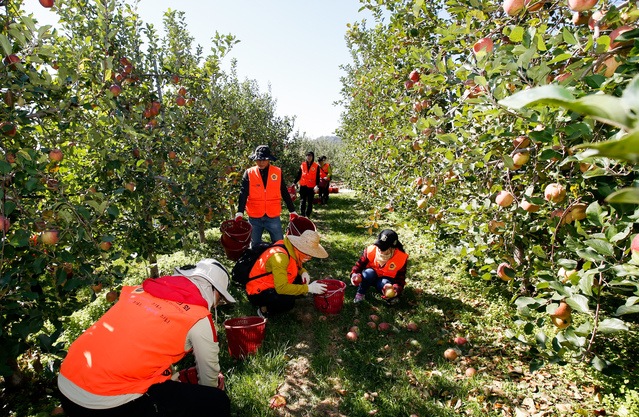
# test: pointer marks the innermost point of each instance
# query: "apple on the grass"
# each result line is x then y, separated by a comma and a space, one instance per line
382, 327
97, 287
450, 354
412, 327
374, 317
372, 325
460, 341
351, 336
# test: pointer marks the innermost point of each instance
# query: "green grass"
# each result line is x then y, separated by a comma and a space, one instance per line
306, 358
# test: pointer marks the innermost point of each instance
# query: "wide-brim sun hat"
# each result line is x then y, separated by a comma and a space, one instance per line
262, 153
212, 271
308, 243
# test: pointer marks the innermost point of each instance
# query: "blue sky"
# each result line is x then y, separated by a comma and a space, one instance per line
295, 45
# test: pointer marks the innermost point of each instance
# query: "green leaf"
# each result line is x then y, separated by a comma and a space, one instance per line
627, 310
625, 195
601, 246
625, 149
605, 108
6, 45
594, 214
578, 302
612, 326
517, 34
569, 37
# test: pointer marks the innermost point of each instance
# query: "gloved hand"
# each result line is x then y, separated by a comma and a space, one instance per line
220, 380
238, 216
306, 278
316, 288
316, 189
356, 279
325, 178
292, 216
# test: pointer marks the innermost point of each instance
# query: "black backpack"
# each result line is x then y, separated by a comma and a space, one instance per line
242, 269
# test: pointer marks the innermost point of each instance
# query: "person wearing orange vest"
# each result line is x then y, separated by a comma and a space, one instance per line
122, 364
278, 275
309, 178
261, 194
326, 173
382, 266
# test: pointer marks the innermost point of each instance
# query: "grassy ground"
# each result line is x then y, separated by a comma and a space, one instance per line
307, 360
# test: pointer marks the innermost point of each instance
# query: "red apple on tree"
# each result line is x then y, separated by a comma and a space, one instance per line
4, 224
11, 60
105, 245
555, 192
46, 3
56, 155
8, 129
634, 249
529, 207
513, 7
616, 32
130, 186
181, 101
414, 76
581, 5
505, 271
50, 237
115, 90
485, 44
504, 198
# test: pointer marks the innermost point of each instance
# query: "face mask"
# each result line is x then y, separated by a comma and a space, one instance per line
380, 257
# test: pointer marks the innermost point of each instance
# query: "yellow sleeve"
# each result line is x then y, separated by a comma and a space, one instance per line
278, 264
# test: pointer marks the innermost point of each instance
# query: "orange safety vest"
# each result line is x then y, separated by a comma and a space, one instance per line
133, 345
324, 172
258, 285
309, 175
263, 200
391, 267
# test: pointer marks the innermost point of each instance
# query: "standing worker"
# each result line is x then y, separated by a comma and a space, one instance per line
326, 173
261, 194
278, 275
121, 365
308, 177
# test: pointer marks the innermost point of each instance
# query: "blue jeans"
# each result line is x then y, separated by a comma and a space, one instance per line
370, 279
273, 226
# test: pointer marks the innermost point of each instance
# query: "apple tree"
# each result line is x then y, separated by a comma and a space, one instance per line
429, 118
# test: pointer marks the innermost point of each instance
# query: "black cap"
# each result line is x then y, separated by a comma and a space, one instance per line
322, 158
387, 239
310, 153
262, 153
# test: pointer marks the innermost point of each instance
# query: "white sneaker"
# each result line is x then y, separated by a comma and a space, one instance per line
359, 297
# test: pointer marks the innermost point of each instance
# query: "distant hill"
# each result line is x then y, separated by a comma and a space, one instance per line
328, 138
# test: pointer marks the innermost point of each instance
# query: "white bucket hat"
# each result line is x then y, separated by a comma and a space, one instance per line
308, 243
212, 271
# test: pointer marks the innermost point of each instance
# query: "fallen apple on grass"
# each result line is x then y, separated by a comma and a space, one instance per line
351, 336
450, 354
383, 327
471, 372
460, 341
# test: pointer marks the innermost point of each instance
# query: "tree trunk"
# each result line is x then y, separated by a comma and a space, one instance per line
200, 227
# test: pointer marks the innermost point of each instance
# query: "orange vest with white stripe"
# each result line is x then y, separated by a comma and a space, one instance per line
258, 285
391, 267
133, 345
324, 170
264, 200
309, 175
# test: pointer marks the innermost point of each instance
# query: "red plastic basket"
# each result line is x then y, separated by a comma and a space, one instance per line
300, 225
332, 300
236, 234
244, 335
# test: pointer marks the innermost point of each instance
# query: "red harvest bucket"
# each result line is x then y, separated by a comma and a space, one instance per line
332, 300
236, 237
333, 190
300, 225
317, 200
244, 335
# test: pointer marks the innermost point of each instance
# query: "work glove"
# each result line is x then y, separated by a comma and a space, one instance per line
354, 277
325, 178
306, 278
220, 380
238, 216
292, 216
316, 288
316, 189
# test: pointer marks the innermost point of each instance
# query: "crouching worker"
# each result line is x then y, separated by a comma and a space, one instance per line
121, 365
382, 266
278, 275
